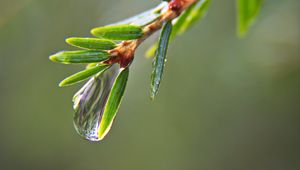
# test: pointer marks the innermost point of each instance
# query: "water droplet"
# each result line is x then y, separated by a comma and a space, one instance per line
89, 103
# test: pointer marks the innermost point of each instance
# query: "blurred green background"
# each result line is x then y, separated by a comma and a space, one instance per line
224, 103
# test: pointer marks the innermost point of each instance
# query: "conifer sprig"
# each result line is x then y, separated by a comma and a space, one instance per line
110, 52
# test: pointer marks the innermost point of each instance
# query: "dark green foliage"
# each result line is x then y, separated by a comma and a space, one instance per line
160, 58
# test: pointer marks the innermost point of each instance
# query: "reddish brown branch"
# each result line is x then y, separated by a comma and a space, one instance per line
124, 53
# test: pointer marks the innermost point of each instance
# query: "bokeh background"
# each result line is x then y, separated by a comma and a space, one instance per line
224, 103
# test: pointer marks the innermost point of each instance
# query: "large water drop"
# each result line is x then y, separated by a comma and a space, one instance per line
89, 103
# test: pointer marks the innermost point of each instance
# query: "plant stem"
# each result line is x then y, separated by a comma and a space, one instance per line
124, 53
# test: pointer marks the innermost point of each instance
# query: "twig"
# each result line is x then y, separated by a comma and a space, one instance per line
124, 52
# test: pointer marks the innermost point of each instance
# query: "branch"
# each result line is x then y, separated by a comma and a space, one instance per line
124, 52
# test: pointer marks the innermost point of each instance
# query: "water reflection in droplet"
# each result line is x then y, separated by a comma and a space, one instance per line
89, 103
